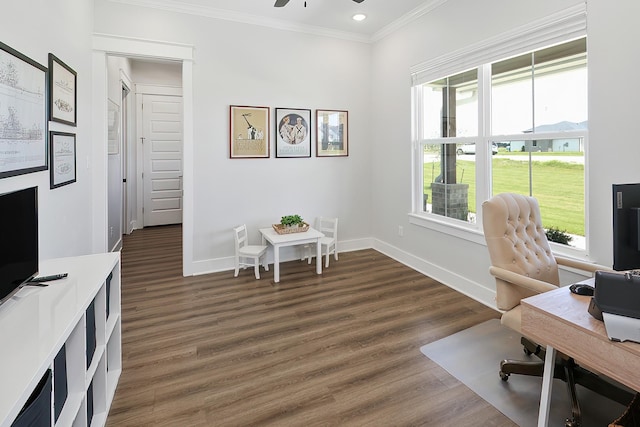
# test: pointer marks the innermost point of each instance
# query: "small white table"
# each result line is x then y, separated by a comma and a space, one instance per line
291, 239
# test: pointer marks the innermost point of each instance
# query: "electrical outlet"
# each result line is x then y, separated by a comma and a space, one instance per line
400, 231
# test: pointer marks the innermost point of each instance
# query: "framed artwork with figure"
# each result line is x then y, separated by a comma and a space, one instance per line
249, 132
332, 133
293, 132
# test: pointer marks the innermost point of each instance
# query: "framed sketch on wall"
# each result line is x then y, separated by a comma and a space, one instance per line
113, 128
62, 97
62, 170
248, 132
23, 114
293, 132
332, 133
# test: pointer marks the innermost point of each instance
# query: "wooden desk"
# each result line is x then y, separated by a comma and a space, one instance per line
559, 319
278, 240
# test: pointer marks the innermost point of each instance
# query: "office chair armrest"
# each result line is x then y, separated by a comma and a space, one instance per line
580, 265
523, 281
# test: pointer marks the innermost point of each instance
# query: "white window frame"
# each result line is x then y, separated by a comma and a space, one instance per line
561, 27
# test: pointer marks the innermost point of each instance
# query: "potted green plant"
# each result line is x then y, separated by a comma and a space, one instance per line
291, 221
558, 236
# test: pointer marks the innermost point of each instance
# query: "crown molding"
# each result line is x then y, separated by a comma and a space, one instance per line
407, 19
245, 18
562, 26
279, 24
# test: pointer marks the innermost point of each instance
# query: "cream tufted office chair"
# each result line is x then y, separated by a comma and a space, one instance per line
523, 265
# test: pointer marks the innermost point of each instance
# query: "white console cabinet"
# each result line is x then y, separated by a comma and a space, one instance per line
71, 328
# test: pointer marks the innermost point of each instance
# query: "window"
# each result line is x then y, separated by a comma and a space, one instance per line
513, 125
450, 108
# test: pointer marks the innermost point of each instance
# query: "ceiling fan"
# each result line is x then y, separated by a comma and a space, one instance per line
281, 3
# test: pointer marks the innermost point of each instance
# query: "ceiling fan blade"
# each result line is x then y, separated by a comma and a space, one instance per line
281, 3
358, 1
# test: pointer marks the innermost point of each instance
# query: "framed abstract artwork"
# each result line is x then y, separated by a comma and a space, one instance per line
63, 96
23, 114
332, 133
249, 132
293, 132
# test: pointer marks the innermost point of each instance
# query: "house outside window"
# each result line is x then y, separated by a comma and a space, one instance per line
518, 125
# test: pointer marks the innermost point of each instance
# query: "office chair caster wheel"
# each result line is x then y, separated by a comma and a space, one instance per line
571, 423
503, 376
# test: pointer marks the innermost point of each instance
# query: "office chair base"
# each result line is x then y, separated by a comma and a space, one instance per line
631, 415
569, 372
564, 371
508, 367
576, 417
529, 347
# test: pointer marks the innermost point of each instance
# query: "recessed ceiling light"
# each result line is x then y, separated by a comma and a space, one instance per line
359, 17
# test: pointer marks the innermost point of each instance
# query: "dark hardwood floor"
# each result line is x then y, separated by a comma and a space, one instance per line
332, 350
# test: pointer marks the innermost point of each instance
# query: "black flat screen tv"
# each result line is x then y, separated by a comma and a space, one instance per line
626, 227
18, 240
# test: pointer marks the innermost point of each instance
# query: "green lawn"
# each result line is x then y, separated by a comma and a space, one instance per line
543, 153
558, 186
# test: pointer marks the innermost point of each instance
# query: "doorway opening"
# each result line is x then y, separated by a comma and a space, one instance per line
130, 50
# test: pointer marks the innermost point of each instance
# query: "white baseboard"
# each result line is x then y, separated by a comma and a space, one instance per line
117, 246
461, 284
449, 278
286, 254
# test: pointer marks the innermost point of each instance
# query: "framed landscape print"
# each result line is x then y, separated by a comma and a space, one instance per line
332, 133
23, 114
63, 97
249, 132
293, 132
62, 170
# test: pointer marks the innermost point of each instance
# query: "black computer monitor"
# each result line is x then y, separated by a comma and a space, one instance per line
626, 226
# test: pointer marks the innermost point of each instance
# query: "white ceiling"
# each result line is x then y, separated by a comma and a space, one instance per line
326, 17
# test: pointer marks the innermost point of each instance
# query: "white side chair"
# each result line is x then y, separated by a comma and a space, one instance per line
328, 227
246, 252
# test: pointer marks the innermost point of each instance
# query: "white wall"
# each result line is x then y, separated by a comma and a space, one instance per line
62, 27
238, 64
369, 190
613, 110
156, 73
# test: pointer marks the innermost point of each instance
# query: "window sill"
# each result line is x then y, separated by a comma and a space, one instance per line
570, 252
473, 233
465, 231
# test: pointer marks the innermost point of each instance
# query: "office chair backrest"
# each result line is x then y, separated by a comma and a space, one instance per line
517, 242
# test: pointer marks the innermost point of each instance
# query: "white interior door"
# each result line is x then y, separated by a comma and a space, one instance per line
162, 148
